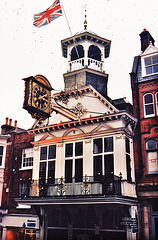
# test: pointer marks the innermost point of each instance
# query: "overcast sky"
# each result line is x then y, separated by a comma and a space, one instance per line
27, 51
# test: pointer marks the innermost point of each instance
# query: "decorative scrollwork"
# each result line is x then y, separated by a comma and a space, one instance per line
61, 188
79, 110
85, 186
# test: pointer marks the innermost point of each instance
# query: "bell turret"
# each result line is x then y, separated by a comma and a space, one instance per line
86, 52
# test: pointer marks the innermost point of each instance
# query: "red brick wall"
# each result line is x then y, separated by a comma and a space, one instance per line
16, 144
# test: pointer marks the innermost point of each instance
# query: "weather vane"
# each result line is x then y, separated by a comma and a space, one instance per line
85, 21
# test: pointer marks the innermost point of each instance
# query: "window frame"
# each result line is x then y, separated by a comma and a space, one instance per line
102, 154
156, 100
47, 161
148, 152
23, 157
23, 189
147, 104
128, 159
2, 156
144, 66
73, 158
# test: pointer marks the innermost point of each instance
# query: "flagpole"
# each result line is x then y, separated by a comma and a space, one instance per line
69, 28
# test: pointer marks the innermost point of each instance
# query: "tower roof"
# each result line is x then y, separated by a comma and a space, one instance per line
83, 36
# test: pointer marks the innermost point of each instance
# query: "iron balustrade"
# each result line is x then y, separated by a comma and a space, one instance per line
105, 185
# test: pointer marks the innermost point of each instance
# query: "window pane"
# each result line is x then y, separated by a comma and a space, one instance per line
147, 61
0, 160
149, 109
51, 171
153, 162
79, 149
97, 168
155, 68
69, 150
127, 145
97, 145
108, 164
23, 189
1, 150
128, 166
108, 144
151, 144
155, 59
148, 98
43, 155
52, 152
1, 154
27, 162
42, 172
148, 70
68, 171
78, 170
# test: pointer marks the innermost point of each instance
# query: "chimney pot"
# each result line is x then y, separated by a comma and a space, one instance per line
10, 122
6, 121
15, 123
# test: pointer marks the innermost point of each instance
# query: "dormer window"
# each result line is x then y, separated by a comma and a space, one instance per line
151, 65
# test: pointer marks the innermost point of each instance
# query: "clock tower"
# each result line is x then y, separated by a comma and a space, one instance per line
86, 52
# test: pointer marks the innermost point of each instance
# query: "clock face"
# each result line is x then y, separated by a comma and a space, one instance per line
40, 96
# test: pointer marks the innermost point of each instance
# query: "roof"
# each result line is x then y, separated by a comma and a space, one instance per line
82, 36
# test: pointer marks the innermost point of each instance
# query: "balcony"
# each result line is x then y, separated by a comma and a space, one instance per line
85, 62
91, 186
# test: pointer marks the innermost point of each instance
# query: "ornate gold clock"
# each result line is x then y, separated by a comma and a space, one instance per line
37, 98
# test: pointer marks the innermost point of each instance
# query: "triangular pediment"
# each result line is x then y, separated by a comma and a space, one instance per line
102, 127
150, 50
81, 103
47, 136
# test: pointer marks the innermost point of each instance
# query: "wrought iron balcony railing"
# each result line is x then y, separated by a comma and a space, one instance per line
59, 187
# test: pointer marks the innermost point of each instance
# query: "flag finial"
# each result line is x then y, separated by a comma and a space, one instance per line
85, 21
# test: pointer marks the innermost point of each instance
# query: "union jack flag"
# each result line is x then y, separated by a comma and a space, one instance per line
49, 15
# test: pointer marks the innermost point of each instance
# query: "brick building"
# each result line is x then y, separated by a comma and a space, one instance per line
144, 82
17, 167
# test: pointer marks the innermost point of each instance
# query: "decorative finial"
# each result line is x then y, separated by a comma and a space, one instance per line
85, 21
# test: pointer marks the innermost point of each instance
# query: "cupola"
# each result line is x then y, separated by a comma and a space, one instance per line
86, 52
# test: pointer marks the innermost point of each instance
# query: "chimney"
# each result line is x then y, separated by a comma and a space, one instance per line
7, 126
145, 39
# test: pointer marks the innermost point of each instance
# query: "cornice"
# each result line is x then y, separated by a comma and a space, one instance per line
122, 115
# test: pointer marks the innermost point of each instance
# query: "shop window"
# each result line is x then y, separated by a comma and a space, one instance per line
1, 154
27, 158
151, 65
148, 105
74, 161
47, 164
152, 156
103, 161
